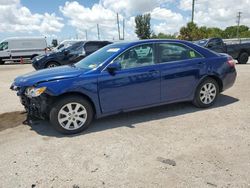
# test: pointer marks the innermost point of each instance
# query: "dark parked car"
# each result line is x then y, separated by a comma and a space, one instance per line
123, 77
68, 55
240, 51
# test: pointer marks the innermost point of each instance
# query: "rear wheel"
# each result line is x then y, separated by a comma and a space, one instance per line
1, 62
71, 115
51, 65
243, 58
206, 93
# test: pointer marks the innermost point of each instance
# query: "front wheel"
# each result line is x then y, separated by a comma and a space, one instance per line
71, 115
206, 93
51, 65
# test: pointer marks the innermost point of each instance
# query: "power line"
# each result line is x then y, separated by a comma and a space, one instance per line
238, 24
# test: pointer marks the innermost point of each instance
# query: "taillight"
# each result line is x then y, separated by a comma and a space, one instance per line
231, 62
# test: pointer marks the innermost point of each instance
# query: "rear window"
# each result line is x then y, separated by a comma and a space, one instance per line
176, 52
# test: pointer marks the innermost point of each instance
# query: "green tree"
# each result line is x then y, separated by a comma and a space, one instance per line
214, 32
231, 31
163, 36
191, 32
143, 27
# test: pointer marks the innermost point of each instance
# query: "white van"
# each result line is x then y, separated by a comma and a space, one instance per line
13, 49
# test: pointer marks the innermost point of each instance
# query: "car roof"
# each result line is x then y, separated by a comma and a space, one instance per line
132, 43
128, 44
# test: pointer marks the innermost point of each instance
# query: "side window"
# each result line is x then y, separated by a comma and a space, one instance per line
91, 47
3, 46
215, 42
175, 52
77, 48
138, 56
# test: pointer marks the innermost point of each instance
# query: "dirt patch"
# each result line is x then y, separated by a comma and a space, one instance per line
11, 119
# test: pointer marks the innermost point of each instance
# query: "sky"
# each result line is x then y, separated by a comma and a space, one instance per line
68, 19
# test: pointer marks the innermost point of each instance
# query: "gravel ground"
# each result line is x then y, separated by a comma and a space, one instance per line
169, 146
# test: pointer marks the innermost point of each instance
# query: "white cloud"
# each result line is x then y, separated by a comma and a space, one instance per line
170, 21
85, 18
185, 5
16, 18
218, 14
167, 15
104, 13
129, 7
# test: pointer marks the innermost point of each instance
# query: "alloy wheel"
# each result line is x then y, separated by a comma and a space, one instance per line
208, 93
72, 116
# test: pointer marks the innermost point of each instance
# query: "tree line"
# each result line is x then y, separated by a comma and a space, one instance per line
189, 32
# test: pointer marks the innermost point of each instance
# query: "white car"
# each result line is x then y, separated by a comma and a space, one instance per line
13, 49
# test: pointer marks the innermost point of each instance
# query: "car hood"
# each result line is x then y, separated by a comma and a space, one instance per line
45, 75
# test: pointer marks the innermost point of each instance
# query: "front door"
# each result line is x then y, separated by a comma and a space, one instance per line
136, 84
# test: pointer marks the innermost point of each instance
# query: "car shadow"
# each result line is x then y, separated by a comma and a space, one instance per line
131, 118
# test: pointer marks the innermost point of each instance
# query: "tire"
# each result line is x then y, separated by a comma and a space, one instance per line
206, 93
72, 121
1, 62
51, 64
243, 58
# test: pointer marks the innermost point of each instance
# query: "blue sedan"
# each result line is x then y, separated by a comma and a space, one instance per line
122, 77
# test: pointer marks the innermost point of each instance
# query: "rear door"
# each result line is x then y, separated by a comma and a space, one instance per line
181, 69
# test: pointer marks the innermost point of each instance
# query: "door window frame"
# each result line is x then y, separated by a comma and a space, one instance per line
134, 46
175, 61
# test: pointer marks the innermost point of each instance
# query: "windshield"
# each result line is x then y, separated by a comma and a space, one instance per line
202, 42
94, 60
3, 46
62, 47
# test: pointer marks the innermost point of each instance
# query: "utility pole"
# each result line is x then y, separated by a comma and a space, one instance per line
123, 29
238, 24
98, 32
86, 34
118, 25
193, 1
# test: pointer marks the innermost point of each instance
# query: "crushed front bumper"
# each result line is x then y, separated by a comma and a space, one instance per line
37, 107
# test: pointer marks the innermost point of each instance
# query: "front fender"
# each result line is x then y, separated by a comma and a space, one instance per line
86, 86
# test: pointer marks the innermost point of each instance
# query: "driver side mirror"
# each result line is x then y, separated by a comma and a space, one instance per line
113, 67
